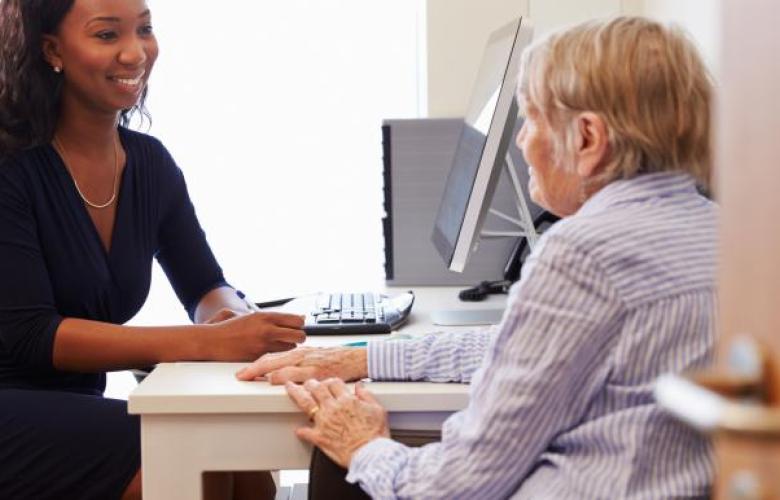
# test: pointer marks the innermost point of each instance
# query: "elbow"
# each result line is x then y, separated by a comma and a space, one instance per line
30, 344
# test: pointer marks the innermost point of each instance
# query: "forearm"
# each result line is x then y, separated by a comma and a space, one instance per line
450, 357
92, 346
217, 299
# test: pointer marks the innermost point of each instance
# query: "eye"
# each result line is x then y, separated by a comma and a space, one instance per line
107, 35
145, 30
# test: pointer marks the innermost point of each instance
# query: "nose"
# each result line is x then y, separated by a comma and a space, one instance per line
133, 52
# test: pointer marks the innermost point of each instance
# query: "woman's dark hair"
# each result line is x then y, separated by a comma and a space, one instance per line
30, 90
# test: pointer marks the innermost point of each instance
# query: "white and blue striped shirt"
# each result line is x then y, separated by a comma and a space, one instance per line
561, 401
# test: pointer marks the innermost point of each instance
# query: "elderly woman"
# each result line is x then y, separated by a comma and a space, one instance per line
621, 290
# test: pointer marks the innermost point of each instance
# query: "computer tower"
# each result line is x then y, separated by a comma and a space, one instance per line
418, 154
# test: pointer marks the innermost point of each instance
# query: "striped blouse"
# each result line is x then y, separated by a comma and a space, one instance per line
561, 401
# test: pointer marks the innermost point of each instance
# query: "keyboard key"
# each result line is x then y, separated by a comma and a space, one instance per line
323, 302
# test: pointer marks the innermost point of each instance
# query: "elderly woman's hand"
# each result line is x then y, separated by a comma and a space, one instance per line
342, 422
304, 363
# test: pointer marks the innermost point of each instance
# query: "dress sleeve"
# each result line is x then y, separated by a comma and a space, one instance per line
183, 251
28, 315
551, 357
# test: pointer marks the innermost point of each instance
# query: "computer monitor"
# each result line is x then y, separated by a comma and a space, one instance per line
482, 150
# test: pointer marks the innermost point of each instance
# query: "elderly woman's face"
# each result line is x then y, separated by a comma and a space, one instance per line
557, 188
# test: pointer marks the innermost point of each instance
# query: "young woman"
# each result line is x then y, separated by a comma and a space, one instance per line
85, 204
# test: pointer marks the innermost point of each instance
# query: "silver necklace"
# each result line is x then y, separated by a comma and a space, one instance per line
65, 160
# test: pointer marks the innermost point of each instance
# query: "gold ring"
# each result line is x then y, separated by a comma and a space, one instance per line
313, 412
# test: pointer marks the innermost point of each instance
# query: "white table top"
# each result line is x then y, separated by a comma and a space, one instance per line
210, 388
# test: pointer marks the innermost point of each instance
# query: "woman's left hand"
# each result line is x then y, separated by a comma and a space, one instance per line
342, 422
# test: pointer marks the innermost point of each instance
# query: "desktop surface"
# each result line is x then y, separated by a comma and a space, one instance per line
198, 417
207, 388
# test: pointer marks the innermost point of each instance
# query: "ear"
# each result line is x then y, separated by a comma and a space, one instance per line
51, 50
592, 144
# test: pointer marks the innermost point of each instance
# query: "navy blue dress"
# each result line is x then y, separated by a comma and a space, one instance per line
59, 437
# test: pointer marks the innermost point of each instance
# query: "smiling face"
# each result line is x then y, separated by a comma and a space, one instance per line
106, 50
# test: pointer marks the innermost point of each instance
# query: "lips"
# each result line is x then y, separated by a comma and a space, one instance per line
128, 82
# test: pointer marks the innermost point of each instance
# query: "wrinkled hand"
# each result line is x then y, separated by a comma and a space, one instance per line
245, 337
304, 363
342, 422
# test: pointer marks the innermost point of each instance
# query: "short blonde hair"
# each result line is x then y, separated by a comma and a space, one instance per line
646, 81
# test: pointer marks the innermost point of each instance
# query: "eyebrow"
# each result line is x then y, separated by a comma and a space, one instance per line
110, 19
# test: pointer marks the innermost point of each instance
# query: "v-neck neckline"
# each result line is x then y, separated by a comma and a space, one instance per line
76, 198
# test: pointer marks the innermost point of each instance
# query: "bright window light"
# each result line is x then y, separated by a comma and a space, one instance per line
273, 111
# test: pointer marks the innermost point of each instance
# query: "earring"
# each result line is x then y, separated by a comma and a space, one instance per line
57, 69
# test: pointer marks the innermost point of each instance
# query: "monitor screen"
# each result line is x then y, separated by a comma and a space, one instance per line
482, 146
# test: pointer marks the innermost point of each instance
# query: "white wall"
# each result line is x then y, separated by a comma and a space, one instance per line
701, 18
550, 15
458, 30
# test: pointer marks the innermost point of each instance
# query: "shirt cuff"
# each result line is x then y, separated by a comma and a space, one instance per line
387, 359
376, 464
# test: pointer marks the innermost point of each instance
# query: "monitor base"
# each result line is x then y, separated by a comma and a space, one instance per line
471, 317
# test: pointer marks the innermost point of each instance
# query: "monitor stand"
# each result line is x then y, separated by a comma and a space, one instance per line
526, 229
464, 317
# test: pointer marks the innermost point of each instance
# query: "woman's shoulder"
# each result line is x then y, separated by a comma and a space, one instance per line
22, 163
148, 153
139, 142
27, 172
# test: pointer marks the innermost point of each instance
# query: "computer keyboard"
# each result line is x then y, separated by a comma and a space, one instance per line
354, 313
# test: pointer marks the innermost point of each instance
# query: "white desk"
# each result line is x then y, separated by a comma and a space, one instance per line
197, 417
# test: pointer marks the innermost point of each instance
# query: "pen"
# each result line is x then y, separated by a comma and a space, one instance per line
273, 303
356, 344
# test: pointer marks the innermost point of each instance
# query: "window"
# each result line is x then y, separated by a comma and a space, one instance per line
273, 111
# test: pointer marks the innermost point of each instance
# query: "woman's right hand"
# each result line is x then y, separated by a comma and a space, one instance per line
246, 337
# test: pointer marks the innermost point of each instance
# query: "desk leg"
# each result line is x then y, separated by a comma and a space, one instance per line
166, 472
177, 449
